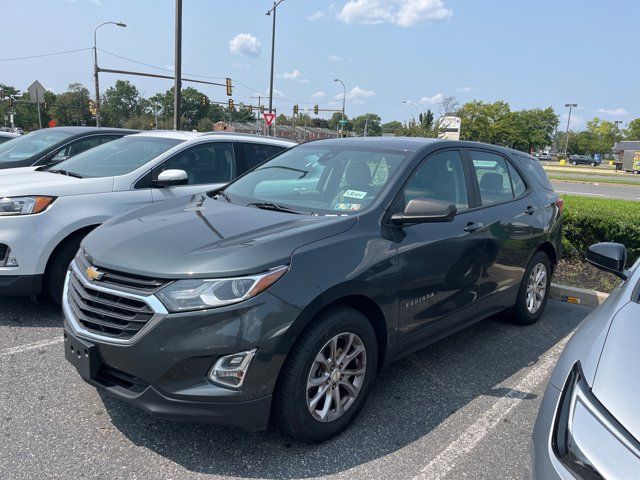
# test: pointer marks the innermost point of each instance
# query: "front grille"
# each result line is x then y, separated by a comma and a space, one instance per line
106, 314
135, 283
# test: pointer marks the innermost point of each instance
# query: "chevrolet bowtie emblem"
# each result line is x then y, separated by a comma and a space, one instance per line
94, 274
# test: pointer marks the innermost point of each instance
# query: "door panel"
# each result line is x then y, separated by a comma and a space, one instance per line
440, 263
512, 216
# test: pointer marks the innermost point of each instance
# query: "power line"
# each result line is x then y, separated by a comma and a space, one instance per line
44, 55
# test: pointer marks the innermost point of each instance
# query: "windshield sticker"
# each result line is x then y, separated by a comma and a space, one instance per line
348, 206
355, 194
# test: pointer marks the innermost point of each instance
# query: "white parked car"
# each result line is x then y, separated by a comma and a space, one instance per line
46, 212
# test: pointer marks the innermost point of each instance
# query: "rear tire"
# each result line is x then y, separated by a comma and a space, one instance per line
534, 291
58, 266
305, 378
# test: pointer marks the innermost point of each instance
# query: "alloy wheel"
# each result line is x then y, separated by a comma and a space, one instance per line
536, 288
336, 377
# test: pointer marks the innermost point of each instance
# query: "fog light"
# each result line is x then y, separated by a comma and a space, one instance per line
7, 259
231, 370
12, 261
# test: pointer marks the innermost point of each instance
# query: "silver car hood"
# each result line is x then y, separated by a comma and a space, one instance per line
617, 380
45, 183
13, 171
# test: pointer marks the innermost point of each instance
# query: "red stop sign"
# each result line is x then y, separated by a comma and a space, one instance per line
52, 123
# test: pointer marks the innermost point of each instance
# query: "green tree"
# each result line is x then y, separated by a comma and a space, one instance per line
72, 106
120, 103
372, 122
633, 130
391, 127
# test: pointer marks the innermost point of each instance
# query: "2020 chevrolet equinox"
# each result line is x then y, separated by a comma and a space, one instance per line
281, 295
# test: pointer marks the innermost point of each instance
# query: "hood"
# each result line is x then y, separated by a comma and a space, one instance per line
23, 181
12, 171
617, 380
200, 237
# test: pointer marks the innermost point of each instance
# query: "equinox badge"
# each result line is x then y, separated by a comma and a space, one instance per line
94, 274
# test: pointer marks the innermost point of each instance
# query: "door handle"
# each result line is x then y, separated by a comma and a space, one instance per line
472, 227
530, 210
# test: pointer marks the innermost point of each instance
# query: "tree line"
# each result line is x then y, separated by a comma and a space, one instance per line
122, 105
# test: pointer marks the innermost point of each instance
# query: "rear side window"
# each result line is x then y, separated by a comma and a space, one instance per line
255, 154
517, 183
533, 169
492, 172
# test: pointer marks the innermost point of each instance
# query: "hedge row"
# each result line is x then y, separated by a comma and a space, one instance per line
592, 220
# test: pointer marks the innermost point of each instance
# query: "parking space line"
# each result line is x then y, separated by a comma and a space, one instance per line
30, 346
457, 450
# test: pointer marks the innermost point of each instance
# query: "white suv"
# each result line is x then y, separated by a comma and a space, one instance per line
45, 214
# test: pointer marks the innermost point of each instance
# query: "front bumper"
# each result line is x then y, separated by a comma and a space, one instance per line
164, 371
20, 285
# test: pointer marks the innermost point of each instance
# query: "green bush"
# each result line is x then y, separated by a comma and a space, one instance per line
592, 220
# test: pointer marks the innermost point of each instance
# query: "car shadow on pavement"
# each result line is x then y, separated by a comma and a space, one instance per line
409, 400
22, 312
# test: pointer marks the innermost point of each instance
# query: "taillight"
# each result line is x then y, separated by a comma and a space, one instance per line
560, 205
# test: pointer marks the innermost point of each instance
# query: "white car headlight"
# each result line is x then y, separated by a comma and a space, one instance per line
10, 206
197, 294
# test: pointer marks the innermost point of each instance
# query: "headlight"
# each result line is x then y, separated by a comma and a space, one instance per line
185, 295
587, 439
24, 205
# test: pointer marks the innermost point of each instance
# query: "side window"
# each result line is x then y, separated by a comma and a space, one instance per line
77, 147
533, 168
517, 183
439, 177
204, 163
493, 177
255, 154
109, 138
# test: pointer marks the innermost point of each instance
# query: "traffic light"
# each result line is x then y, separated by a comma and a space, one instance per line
295, 110
316, 109
229, 87
45, 104
231, 104
261, 108
203, 101
11, 102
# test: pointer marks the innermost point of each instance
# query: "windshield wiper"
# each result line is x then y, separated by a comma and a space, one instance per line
272, 206
67, 173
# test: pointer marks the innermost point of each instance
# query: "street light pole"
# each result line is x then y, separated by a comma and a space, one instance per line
566, 143
344, 99
411, 102
177, 88
273, 51
95, 65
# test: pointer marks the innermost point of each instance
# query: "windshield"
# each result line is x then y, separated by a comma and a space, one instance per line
118, 157
31, 144
313, 179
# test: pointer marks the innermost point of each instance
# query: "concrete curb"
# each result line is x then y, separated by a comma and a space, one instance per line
579, 296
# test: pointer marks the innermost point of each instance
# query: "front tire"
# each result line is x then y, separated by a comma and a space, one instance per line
327, 377
534, 291
58, 266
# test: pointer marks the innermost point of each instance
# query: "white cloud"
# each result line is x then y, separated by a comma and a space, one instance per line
245, 44
466, 89
317, 15
403, 13
319, 94
614, 112
435, 100
356, 95
294, 75
577, 121
335, 58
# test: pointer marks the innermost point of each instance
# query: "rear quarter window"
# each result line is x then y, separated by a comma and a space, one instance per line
532, 168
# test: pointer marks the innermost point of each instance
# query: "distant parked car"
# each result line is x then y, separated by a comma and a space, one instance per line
45, 214
588, 426
584, 160
52, 145
6, 136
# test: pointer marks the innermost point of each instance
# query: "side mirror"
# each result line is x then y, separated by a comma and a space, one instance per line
423, 210
171, 178
610, 257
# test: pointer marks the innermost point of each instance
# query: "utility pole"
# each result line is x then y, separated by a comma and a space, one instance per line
366, 125
344, 100
177, 89
566, 144
96, 69
272, 12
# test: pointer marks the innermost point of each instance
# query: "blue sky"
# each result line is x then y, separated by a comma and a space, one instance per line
535, 53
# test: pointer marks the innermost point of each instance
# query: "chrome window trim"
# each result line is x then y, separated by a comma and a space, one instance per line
159, 311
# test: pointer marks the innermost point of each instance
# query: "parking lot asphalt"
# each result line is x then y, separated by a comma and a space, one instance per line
461, 408
599, 190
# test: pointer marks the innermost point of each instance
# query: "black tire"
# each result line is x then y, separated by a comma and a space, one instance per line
57, 268
291, 412
519, 313
593, 164
574, 163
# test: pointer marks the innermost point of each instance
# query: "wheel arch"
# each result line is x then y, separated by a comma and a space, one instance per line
82, 232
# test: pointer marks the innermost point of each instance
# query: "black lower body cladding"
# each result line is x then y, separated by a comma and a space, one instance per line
164, 370
20, 285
